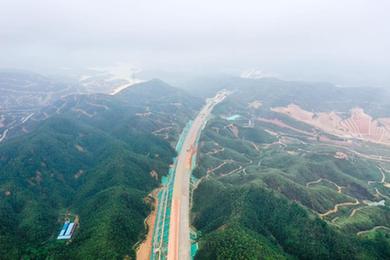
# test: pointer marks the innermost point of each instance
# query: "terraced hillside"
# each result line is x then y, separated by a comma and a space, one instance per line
271, 186
96, 157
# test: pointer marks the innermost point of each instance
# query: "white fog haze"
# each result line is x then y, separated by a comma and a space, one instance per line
345, 42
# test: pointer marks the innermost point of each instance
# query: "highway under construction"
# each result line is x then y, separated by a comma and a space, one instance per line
171, 235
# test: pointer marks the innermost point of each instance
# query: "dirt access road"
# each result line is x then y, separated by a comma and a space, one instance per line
179, 244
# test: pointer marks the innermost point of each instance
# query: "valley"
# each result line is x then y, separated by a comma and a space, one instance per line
171, 239
194, 130
154, 173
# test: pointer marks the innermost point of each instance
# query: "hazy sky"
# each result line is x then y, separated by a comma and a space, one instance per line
343, 40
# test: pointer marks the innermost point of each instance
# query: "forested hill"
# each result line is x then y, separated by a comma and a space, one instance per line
94, 156
312, 96
273, 187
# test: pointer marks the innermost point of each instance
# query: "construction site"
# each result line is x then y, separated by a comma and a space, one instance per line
172, 237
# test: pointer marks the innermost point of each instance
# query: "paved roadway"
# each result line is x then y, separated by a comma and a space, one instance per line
179, 245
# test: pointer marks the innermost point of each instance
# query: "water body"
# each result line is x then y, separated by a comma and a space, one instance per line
233, 117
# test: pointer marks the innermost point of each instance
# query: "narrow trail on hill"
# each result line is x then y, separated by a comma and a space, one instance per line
216, 150
337, 206
98, 105
368, 204
356, 210
83, 112
162, 129
255, 146
381, 194
372, 229
339, 188
231, 172
383, 176
218, 167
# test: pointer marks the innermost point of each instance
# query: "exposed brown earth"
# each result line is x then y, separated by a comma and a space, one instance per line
256, 104
359, 125
145, 248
